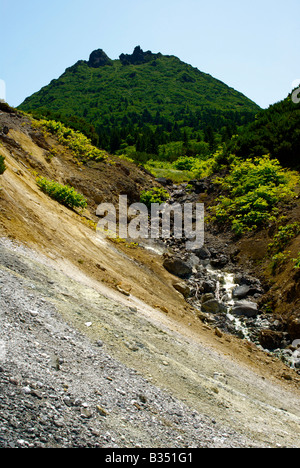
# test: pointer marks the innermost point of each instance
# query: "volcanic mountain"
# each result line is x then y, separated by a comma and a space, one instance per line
113, 101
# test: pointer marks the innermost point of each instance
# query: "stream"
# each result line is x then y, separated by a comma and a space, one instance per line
225, 297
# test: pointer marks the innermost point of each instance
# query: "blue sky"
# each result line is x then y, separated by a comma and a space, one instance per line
251, 46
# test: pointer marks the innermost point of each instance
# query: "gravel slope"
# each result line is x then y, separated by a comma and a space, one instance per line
78, 369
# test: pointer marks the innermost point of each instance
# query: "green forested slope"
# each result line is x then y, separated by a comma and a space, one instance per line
275, 131
142, 100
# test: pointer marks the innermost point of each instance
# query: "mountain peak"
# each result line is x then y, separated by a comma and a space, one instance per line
98, 58
138, 57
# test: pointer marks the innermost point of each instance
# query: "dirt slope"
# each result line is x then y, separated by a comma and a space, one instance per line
160, 337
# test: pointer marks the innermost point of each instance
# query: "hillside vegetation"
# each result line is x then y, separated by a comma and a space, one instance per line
142, 103
275, 131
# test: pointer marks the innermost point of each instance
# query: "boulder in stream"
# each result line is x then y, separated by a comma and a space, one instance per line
245, 290
246, 308
176, 266
213, 306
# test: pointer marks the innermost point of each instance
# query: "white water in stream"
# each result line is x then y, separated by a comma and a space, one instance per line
225, 281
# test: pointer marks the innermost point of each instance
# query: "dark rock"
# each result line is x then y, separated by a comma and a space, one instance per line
244, 290
178, 193
4, 107
294, 327
184, 289
98, 58
219, 262
199, 186
123, 168
270, 339
208, 286
249, 309
207, 297
202, 253
248, 280
241, 291
212, 306
177, 267
138, 57
163, 181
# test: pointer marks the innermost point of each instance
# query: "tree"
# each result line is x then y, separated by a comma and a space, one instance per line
209, 137
115, 141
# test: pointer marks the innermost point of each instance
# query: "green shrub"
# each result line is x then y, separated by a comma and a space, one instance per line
297, 261
2, 165
155, 195
254, 189
184, 163
284, 235
78, 143
279, 260
63, 194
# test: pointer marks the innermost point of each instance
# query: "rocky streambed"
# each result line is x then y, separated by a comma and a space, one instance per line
225, 296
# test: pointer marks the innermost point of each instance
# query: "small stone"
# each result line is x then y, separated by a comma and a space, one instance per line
86, 413
122, 291
218, 332
26, 390
36, 394
202, 316
59, 422
183, 289
14, 381
34, 313
286, 377
143, 399
102, 411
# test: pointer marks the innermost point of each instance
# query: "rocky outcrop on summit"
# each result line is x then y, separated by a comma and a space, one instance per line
138, 57
98, 59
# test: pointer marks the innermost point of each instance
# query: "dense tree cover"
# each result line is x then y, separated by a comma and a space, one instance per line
143, 101
276, 131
